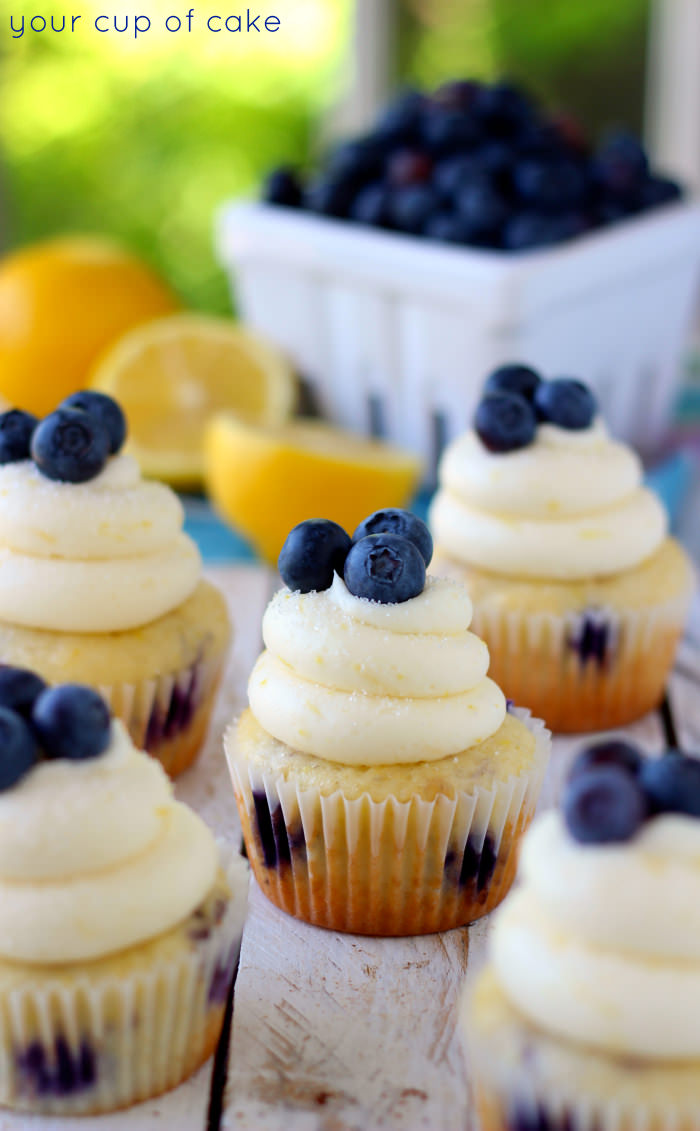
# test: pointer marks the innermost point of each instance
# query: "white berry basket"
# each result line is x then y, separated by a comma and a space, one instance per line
395, 334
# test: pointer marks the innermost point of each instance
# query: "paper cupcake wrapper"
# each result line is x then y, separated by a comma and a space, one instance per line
102, 1041
168, 715
583, 671
389, 867
525, 1079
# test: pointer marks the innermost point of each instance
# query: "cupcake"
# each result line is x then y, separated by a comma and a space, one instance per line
381, 781
578, 590
98, 582
121, 917
588, 1014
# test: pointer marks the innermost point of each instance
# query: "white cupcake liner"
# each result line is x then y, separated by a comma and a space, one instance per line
100, 1041
555, 665
168, 714
525, 1078
389, 867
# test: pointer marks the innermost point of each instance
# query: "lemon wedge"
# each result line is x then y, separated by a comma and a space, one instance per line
171, 374
266, 480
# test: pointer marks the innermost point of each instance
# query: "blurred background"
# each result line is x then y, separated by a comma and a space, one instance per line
143, 140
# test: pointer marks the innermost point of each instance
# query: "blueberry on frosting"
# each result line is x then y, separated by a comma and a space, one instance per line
20, 689
385, 568
18, 748
104, 410
672, 784
70, 446
505, 422
514, 378
396, 521
313, 551
568, 403
71, 721
612, 790
16, 429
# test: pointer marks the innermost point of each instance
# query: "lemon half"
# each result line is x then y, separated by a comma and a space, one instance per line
266, 480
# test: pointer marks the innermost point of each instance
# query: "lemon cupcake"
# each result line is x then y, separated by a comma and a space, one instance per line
578, 590
121, 917
588, 1015
98, 582
381, 782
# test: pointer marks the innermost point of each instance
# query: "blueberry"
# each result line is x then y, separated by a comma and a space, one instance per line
513, 378
656, 191
283, 186
606, 804
565, 402
313, 551
71, 721
411, 207
355, 163
458, 94
505, 422
396, 521
19, 689
385, 568
16, 430
503, 109
621, 165
372, 206
104, 410
447, 226
529, 229
550, 184
613, 752
70, 446
18, 748
451, 175
449, 132
672, 784
408, 167
401, 121
329, 197
482, 206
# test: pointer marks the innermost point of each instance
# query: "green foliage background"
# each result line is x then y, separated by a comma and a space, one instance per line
145, 141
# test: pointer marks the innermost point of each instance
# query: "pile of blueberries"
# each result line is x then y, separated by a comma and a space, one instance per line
516, 399
478, 164
613, 789
39, 722
72, 444
385, 560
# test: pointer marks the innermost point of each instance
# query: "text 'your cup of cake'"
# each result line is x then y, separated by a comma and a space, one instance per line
381, 780
99, 583
578, 590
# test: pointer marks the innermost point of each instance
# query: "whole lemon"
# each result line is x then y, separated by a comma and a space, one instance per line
62, 302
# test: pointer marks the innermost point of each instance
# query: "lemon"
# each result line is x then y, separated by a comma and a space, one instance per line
62, 302
170, 375
266, 480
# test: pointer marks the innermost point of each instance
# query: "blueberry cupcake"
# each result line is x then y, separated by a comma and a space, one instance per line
578, 590
98, 582
588, 1014
381, 781
121, 917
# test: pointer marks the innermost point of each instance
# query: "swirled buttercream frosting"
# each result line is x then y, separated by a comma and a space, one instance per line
569, 506
96, 856
359, 682
103, 556
601, 943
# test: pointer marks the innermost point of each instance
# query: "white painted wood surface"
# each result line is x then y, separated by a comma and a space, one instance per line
333, 1032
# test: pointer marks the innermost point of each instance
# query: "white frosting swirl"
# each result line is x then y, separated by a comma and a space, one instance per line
102, 556
602, 943
96, 856
362, 683
569, 506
